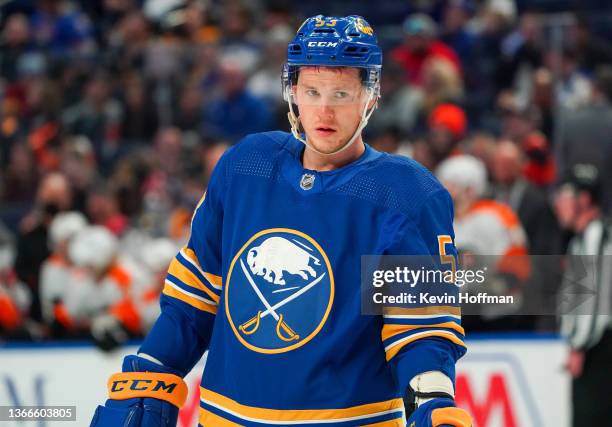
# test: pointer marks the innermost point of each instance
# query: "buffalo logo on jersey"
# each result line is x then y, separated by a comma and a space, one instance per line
279, 291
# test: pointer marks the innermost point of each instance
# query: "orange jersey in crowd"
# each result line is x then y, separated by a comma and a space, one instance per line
492, 228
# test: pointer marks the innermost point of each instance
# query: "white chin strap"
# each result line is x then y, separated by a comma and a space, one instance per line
294, 121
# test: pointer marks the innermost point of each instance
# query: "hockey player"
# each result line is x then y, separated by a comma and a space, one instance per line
486, 226
269, 280
56, 270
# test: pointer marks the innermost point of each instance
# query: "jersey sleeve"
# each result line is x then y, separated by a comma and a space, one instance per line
425, 337
192, 286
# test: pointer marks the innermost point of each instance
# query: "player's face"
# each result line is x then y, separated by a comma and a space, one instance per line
330, 103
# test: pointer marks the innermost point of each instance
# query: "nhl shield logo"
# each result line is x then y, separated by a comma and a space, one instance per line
279, 291
307, 181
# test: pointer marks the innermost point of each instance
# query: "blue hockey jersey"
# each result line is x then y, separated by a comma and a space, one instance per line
269, 283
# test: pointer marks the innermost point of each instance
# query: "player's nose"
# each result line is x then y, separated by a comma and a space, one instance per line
325, 109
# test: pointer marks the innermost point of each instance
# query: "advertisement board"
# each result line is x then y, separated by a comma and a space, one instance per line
510, 382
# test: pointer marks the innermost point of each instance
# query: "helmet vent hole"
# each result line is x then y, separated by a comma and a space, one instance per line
355, 51
295, 49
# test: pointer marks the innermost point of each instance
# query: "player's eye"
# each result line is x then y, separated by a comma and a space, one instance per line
311, 92
340, 94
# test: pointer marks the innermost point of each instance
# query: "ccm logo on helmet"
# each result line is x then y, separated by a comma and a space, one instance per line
322, 44
156, 385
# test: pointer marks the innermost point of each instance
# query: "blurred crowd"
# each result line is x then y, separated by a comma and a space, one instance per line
113, 114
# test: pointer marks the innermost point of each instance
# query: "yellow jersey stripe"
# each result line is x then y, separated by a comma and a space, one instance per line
420, 316
196, 301
215, 281
392, 349
437, 310
207, 418
298, 416
390, 423
390, 330
182, 273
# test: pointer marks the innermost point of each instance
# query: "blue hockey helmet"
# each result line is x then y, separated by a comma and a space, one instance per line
334, 42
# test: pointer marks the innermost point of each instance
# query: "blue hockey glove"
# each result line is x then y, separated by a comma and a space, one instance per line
145, 394
439, 412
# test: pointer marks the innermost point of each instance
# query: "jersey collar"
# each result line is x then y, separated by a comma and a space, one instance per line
308, 181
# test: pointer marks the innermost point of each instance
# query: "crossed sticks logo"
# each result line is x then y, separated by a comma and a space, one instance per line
279, 290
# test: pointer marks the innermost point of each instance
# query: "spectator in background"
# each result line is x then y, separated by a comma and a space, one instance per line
43, 99
162, 185
264, 82
540, 168
454, 31
586, 322
400, 104
543, 97
492, 23
188, 117
236, 112
106, 15
205, 73
11, 123
592, 50
447, 127
169, 150
572, 89
78, 163
420, 44
61, 30
583, 136
529, 202
53, 196
19, 178
521, 51
543, 232
518, 120
14, 44
441, 84
482, 146
98, 117
103, 209
239, 36
139, 121
128, 41
197, 23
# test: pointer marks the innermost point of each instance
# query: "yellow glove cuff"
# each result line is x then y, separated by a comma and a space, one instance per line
456, 417
168, 387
